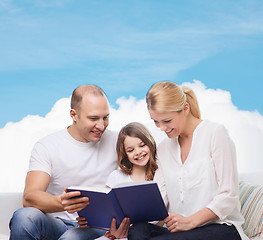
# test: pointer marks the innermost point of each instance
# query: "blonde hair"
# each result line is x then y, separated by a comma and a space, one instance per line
138, 130
169, 97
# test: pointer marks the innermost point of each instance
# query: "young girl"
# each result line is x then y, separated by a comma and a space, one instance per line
136, 150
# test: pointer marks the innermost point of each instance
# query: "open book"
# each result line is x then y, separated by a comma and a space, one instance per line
140, 201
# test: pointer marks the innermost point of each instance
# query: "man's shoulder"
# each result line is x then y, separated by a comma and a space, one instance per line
110, 135
52, 137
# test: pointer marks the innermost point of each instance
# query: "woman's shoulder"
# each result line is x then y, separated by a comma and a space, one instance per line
215, 130
167, 142
212, 126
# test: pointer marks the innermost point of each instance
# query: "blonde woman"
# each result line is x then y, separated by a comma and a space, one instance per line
197, 163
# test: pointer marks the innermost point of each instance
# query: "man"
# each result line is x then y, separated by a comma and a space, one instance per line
82, 154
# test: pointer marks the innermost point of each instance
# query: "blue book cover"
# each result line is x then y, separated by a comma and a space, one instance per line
141, 202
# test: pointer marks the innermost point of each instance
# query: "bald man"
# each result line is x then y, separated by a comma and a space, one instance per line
82, 154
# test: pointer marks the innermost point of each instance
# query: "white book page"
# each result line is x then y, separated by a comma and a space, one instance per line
127, 184
93, 189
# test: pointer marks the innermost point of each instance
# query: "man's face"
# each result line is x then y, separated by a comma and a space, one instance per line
92, 119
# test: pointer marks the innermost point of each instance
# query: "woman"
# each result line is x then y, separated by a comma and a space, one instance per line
198, 166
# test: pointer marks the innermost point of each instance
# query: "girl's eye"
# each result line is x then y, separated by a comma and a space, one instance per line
129, 151
142, 145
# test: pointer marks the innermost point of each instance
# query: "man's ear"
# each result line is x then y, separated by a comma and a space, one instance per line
73, 114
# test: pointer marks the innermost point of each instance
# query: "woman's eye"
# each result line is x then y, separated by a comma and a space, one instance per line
167, 121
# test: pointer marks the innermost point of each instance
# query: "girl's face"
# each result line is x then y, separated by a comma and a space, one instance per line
172, 123
137, 151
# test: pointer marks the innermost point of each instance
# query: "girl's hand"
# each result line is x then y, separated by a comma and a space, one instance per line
121, 232
109, 235
177, 222
82, 222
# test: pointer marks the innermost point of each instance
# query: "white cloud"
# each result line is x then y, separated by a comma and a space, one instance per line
17, 139
244, 127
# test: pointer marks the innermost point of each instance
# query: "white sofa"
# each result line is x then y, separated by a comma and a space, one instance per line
251, 198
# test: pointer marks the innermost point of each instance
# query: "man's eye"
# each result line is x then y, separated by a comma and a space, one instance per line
93, 119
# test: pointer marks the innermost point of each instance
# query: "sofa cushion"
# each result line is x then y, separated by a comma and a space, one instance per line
251, 199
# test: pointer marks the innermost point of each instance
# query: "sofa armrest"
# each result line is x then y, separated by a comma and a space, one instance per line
255, 178
251, 199
9, 203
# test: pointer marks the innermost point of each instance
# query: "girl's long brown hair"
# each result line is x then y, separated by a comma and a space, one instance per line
138, 130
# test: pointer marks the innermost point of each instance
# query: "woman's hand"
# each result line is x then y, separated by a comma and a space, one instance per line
177, 222
82, 222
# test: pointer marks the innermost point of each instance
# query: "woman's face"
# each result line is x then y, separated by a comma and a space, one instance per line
172, 123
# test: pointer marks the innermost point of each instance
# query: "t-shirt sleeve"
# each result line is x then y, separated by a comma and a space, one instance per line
39, 159
112, 179
117, 177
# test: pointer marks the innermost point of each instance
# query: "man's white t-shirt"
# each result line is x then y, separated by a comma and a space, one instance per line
70, 162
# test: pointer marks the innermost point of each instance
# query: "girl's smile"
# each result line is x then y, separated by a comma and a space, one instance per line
137, 151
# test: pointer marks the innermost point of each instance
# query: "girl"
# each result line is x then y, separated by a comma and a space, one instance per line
198, 164
136, 150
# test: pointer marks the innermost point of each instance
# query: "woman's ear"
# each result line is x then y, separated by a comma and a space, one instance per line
187, 107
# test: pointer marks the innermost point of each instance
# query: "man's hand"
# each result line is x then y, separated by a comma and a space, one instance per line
72, 203
121, 232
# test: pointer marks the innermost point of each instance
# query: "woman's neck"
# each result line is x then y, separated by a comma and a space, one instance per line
190, 126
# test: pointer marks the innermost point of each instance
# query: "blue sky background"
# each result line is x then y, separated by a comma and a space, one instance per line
49, 47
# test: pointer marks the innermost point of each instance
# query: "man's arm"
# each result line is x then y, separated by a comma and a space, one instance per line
35, 194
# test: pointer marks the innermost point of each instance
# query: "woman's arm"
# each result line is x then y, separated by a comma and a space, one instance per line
177, 222
224, 159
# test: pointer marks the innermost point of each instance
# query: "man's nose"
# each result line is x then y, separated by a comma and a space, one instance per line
100, 124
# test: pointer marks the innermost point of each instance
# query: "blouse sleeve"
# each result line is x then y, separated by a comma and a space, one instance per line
159, 178
224, 159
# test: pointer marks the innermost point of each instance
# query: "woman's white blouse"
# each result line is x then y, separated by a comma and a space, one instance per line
208, 177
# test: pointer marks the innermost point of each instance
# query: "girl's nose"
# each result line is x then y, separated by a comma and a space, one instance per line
137, 151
